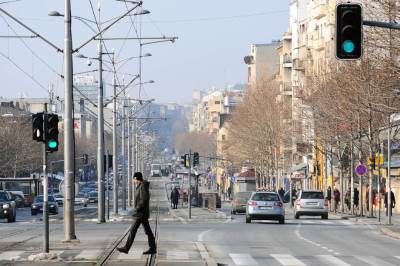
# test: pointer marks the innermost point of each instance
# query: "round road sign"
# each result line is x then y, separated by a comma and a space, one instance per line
361, 170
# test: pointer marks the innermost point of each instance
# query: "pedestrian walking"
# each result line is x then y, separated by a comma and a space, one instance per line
229, 192
367, 197
336, 198
175, 198
393, 202
281, 192
347, 200
141, 215
329, 196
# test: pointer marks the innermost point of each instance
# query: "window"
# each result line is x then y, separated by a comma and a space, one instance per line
265, 197
312, 195
217, 102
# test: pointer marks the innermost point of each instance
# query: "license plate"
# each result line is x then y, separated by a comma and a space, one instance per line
265, 208
312, 203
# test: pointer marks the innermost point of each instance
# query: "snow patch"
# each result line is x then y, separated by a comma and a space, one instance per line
44, 256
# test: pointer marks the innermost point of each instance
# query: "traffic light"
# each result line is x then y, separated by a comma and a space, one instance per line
186, 160
37, 127
51, 132
348, 31
196, 159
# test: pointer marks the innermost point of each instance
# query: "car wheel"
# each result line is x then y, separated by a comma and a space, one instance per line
85, 205
10, 219
324, 217
248, 220
33, 212
296, 216
282, 221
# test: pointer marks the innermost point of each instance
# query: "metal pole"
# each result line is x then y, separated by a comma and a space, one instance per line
69, 167
123, 154
129, 164
45, 187
190, 182
388, 183
108, 185
351, 176
100, 142
380, 153
115, 166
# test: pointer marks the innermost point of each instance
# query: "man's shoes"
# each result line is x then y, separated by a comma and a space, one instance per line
123, 250
150, 251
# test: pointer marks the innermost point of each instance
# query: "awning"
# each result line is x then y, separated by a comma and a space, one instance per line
299, 167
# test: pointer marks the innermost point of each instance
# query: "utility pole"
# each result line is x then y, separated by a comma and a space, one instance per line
100, 142
69, 167
45, 187
123, 153
190, 184
380, 153
129, 164
115, 166
108, 185
388, 181
352, 175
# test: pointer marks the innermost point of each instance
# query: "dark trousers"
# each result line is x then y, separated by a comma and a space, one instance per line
147, 230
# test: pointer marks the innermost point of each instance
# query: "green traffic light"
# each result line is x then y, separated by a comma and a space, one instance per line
52, 144
348, 46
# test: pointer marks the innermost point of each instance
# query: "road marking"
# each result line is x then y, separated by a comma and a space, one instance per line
373, 261
332, 260
134, 254
177, 255
202, 234
242, 259
326, 222
10, 255
397, 257
90, 254
287, 260
307, 222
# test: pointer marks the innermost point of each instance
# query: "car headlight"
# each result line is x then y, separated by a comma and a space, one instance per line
52, 206
6, 206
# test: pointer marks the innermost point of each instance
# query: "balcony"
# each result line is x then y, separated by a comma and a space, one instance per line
298, 65
320, 10
287, 61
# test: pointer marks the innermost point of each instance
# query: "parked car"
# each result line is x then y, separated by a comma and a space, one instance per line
8, 209
81, 199
311, 203
59, 199
265, 206
37, 205
92, 197
19, 200
239, 202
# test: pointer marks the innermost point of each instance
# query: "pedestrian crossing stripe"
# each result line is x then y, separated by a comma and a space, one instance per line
10, 255
134, 254
242, 259
89, 254
177, 255
370, 260
332, 260
287, 260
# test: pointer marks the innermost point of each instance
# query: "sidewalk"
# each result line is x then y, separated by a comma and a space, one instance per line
392, 230
198, 215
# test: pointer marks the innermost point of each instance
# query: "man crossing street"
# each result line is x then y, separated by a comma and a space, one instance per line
141, 215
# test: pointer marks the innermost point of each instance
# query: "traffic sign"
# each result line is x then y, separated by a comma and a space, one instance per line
361, 170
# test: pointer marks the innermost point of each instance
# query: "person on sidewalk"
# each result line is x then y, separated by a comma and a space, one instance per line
393, 202
329, 196
356, 199
367, 197
336, 198
347, 200
141, 215
175, 198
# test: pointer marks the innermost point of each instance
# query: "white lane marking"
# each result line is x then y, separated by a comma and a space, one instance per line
134, 254
202, 234
242, 259
90, 254
371, 260
287, 260
331, 260
326, 222
177, 255
307, 222
10, 255
397, 257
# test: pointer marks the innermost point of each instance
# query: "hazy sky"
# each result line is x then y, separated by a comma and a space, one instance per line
214, 36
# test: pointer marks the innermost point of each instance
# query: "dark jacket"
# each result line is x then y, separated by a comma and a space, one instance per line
392, 199
142, 200
175, 196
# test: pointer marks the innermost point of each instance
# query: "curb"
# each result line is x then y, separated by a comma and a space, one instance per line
389, 232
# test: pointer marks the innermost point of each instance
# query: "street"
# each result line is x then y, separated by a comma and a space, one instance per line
209, 238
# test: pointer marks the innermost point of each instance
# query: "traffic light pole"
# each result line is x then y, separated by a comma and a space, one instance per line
45, 188
115, 166
100, 142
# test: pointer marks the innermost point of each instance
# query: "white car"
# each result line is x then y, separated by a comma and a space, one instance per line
81, 199
59, 199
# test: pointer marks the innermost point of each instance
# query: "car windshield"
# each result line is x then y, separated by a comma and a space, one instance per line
80, 195
93, 194
265, 197
3, 196
40, 198
312, 195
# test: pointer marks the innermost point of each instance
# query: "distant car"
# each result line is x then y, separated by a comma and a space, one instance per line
19, 200
59, 199
37, 205
81, 199
239, 202
311, 203
265, 206
8, 209
93, 197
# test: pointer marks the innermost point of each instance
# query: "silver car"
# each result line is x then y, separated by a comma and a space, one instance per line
311, 203
265, 206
